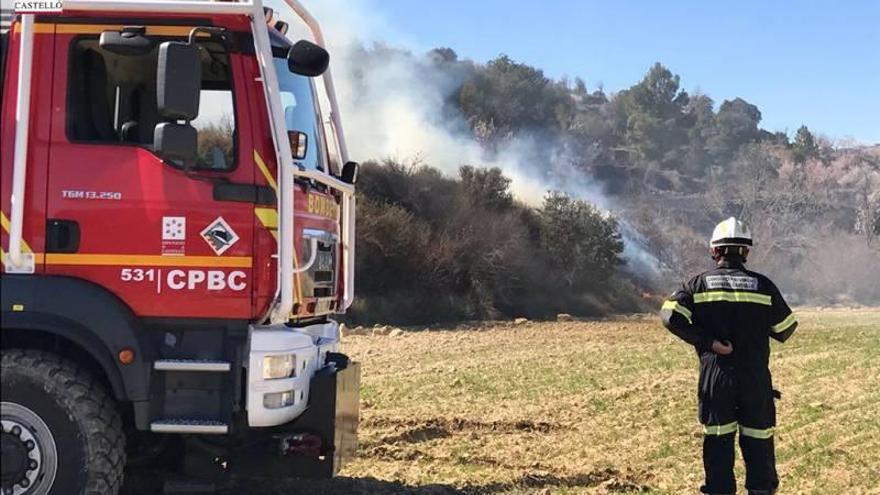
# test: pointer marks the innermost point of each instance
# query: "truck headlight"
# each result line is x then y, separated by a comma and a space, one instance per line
279, 366
279, 399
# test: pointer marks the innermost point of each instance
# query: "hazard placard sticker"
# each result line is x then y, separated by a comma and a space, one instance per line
219, 235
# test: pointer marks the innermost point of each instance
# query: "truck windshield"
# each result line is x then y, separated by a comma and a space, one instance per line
300, 113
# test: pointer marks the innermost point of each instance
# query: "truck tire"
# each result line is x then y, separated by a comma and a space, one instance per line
61, 433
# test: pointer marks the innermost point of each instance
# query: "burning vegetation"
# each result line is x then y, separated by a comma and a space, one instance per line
528, 195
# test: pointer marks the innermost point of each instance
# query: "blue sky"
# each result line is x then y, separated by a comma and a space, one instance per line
806, 62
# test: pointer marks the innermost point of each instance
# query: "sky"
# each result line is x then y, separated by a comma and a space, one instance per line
801, 62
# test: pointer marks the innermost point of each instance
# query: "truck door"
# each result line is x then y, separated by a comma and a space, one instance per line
171, 241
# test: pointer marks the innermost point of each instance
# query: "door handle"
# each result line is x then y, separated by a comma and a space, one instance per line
62, 236
244, 193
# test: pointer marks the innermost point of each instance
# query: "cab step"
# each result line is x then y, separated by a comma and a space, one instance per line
191, 426
206, 365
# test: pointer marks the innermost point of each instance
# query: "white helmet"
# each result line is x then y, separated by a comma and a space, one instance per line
731, 232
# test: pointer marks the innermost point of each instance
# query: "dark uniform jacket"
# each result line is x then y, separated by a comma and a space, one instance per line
733, 304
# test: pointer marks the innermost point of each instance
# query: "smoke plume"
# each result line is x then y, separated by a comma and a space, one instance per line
394, 106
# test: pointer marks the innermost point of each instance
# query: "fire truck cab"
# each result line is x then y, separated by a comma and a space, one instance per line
177, 234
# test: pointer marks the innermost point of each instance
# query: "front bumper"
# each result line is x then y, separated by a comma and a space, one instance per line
331, 415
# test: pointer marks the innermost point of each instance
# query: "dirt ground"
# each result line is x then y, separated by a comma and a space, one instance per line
595, 407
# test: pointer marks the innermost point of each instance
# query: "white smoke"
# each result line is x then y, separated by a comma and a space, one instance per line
396, 109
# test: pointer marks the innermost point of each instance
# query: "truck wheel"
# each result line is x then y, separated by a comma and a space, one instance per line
61, 434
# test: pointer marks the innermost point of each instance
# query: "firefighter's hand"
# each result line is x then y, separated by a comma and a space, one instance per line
722, 347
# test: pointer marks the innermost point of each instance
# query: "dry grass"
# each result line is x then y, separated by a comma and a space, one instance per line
595, 407
602, 407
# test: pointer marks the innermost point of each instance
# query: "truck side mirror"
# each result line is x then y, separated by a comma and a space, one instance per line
178, 87
299, 144
350, 172
176, 142
281, 27
178, 80
307, 59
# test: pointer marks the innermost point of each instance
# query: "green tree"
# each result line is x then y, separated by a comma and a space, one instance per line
736, 125
804, 146
701, 129
654, 114
657, 92
506, 96
443, 55
486, 186
583, 243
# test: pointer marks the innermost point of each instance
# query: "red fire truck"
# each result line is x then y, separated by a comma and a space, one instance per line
178, 224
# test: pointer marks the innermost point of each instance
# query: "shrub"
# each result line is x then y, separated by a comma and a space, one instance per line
432, 248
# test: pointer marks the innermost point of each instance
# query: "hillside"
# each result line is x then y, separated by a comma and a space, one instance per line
664, 163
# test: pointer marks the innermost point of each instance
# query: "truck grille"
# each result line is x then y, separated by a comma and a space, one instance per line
320, 279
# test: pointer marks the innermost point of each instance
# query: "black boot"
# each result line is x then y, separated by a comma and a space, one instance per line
762, 492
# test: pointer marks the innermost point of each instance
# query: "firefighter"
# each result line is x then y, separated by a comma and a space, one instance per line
727, 314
